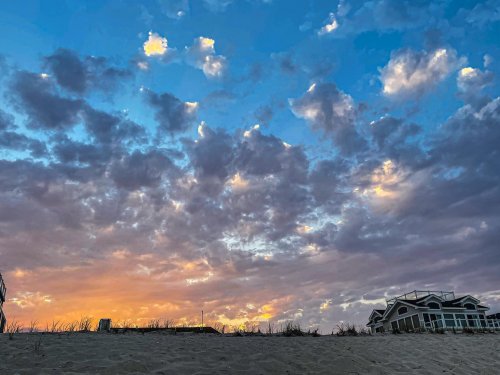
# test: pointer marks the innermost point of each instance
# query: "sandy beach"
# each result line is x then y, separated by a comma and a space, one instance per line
159, 353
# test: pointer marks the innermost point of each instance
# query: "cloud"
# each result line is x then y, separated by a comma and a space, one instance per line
172, 114
140, 169
156, 45
202, 56
353, 18
471, 81
36, 96
78, 75
482, 14
6, 120
332, 112
396, 140
412, 74
487, 60
330, 26
217, 5
10, 140
266, 228
108, 128
175, 9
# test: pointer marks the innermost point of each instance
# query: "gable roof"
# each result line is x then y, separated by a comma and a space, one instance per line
409, 302
378, 312
458, 300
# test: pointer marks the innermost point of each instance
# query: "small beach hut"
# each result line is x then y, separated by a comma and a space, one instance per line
104, 325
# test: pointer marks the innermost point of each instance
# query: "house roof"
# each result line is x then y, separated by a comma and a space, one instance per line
375, 311
451, 303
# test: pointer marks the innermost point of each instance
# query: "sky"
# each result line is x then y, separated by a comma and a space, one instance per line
260, 160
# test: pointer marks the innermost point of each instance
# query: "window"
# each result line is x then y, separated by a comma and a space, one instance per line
394, 326
450, 323
408, 323
471, 320
426, 318
461, 319
470, 306
402, 325
402, 310
433, 305
416, 321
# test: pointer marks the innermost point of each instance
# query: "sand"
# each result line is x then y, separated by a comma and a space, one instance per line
160, 353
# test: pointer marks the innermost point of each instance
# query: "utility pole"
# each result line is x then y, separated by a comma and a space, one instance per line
202, 318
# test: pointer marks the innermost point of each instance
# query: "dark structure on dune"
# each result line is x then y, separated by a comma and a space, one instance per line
3, 292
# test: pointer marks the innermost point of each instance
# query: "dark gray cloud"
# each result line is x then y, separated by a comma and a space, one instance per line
72, 152
332, 112
397, 140
36, 96
107, 128
140, 169
172, 114
79, 75
20, 142
6, 120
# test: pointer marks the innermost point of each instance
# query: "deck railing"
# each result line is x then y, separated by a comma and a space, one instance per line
422, 293
3, 290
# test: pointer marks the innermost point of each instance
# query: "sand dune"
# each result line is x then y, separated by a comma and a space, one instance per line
157, 353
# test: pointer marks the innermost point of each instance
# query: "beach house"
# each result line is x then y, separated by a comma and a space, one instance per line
430, 310
494, 320
3, 293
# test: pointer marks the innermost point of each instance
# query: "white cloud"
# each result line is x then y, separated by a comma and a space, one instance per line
202, 56
411, 73
487, 60
175, 9
156, 45
330, 26
217, 5
143, 65
471, 80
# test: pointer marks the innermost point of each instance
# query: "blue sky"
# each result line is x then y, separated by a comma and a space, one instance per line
273, 151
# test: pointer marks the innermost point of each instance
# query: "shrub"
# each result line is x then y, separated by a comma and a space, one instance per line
12, 328
292, 330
